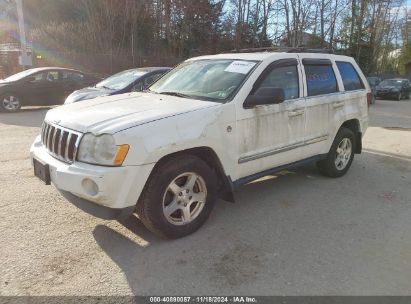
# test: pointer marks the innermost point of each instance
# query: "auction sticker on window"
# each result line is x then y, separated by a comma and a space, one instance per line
242, 67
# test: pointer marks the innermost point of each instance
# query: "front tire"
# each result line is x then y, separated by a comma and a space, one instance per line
178, 197
340, 156
10, 103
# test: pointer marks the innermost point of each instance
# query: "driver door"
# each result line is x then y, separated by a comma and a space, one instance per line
273, 135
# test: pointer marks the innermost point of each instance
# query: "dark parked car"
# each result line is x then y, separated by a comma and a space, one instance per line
123, 82
373, 81
41, 86
396, 88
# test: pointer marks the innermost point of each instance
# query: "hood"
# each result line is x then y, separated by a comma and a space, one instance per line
112, 114
87, 93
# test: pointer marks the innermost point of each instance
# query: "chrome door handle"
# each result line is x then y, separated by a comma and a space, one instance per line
295, 113
338, 104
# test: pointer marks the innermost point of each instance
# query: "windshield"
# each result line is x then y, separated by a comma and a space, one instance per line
121, 80
20, 75
391, 82
214, 80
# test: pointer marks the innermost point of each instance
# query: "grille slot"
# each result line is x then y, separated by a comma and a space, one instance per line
60, 142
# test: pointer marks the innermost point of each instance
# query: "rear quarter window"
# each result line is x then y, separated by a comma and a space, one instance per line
350, 77
320, 80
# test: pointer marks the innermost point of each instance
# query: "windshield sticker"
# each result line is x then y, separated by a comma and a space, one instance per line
242, 67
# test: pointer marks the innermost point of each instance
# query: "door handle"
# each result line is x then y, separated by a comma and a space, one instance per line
338, 104
295, 113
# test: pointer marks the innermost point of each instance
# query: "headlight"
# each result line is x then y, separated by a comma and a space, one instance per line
101, 150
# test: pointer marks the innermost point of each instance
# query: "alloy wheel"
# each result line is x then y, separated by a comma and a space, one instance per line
184, 198
11, 103
343, 153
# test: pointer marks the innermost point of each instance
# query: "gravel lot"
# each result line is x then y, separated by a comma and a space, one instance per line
296, 234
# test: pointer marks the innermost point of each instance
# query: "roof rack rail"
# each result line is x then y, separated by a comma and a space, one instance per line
284, 49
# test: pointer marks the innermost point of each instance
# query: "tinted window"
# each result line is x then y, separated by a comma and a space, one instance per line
285, 78
52, 76
121, 80
320, 79
391, 83
39, 77
151, 79
138, 86
349, 76
72, 76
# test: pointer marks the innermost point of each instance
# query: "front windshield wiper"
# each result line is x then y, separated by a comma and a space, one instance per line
175, 94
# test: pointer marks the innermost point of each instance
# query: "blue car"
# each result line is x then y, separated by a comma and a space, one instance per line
134, 80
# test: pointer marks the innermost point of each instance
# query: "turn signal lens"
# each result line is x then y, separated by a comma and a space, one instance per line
121, 154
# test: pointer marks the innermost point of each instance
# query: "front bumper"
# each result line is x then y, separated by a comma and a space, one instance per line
387, 94
109, 187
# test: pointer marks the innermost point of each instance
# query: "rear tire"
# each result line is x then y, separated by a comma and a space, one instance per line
340, 156
178, 197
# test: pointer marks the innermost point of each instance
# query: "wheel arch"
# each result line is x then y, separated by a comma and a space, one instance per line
207, 154
12, 92
354, 126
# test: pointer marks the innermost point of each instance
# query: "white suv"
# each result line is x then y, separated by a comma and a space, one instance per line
210, 125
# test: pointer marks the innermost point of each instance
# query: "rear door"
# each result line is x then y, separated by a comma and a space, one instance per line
353, 98
321, 91
70, 81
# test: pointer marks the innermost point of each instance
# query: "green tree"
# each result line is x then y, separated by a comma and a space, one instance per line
404, 59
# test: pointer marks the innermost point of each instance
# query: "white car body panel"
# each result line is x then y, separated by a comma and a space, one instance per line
111, 114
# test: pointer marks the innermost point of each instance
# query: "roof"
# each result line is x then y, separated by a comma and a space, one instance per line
260, 56
53, 68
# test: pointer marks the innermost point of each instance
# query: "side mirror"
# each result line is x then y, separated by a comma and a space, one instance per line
265, 96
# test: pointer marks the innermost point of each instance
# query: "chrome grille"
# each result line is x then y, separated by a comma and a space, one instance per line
61, 143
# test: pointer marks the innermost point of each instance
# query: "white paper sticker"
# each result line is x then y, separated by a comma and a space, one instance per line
242, 67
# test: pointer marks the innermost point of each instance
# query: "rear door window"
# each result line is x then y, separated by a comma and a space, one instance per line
320, 79
349, 76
